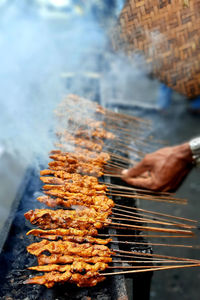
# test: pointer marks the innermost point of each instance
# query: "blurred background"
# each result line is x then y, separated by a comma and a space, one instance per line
49, 48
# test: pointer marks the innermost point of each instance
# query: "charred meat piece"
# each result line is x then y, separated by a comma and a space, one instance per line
76, 266
52, 219
50, 278
85, 201
66, 259
63, 232
69, 248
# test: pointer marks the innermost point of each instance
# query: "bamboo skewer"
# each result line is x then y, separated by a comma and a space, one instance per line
125, 139
133, 267
113, 175
111, 122
125, 136
143, 220
156, 213
124, 128
125, 131
135, 229
156, 229
130, 214
115, 164
119, 157
144, 195
139, 217
157, 244
140, 259
141, 197
139, 221
118, 144
127, 117
114, 169
123, 187
144, 235
153, 261
124, 151
150, 195
136, 214
133, 257
150, 269
160, 256
150, 198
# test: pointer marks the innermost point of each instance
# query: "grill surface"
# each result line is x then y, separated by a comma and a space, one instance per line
14, 260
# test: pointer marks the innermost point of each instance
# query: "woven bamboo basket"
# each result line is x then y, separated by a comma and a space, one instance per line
167, 32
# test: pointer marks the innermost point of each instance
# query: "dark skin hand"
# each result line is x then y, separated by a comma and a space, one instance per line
163, 170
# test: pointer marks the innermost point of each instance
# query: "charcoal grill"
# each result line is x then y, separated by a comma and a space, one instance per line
14, 259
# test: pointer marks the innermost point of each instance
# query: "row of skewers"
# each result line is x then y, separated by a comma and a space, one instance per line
72, 248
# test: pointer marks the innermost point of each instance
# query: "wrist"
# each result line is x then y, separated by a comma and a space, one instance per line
185, 152
195, 149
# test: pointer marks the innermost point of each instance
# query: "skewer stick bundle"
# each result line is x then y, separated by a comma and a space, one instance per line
76, 251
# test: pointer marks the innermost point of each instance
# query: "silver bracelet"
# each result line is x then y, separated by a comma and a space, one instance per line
195, 148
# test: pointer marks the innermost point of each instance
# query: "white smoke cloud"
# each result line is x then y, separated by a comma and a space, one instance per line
42, 60
34, 52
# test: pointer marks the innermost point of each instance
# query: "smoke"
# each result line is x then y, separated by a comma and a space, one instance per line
35, 53
126, 81
30, 84
43, 59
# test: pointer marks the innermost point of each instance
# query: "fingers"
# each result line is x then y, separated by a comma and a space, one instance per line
141, 170
136, 171
140, 182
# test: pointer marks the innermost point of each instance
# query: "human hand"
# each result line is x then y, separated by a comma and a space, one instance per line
162, 170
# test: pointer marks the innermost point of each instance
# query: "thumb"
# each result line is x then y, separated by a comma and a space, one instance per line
136, 170
140, 182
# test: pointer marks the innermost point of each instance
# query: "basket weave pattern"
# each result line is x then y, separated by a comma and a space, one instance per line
167, 32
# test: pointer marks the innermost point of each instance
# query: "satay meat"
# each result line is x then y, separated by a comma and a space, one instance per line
76, 266
80, 167
73, 188
83, 182
92, 154
100, 158
68, 251
65, 247
77, 239
64, 214
95, 134
88, 197
85, 143
71, 176
88, 279
63, 232
52, 219
66, 259
50, 278
100, 205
